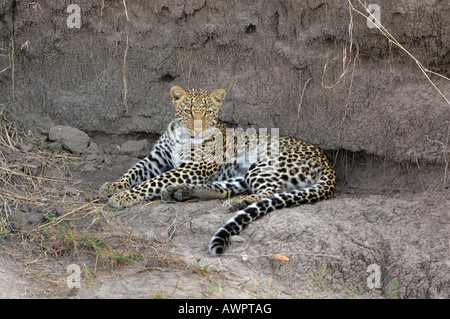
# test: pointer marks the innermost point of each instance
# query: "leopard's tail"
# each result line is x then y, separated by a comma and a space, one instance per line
321, 190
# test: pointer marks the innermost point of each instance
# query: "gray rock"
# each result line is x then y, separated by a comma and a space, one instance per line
70, 138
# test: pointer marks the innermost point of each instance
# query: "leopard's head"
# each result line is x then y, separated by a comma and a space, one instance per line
196, 109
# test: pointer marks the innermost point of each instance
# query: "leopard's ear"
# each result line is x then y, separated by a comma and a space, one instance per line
177, 95
218, 96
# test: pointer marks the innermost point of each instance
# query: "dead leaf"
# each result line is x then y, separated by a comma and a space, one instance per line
280, 257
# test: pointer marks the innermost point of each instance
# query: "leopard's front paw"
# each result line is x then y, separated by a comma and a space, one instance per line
112, 188
177, 193
125, 199
235, 204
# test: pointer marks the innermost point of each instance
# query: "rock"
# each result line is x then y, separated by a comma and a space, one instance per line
25, 147
137, 149
71, 138
93, 151
70, 190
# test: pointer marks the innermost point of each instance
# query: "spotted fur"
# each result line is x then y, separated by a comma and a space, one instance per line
200, 157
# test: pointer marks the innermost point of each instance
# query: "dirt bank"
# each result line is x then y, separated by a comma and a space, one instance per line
159, 250
113, 74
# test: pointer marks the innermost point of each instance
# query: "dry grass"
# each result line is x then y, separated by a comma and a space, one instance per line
49, 221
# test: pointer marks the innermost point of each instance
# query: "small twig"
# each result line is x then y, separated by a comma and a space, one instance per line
5, 69
34, 177
124, 70
344, 56
172, 228
347, 104
300, 105
126, 11
35, 5
13, 68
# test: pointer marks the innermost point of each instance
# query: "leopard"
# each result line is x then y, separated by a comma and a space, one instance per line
200, 157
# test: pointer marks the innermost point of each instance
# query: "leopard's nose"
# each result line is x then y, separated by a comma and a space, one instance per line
198, 127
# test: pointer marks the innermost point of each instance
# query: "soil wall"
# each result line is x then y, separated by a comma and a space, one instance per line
114, 72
